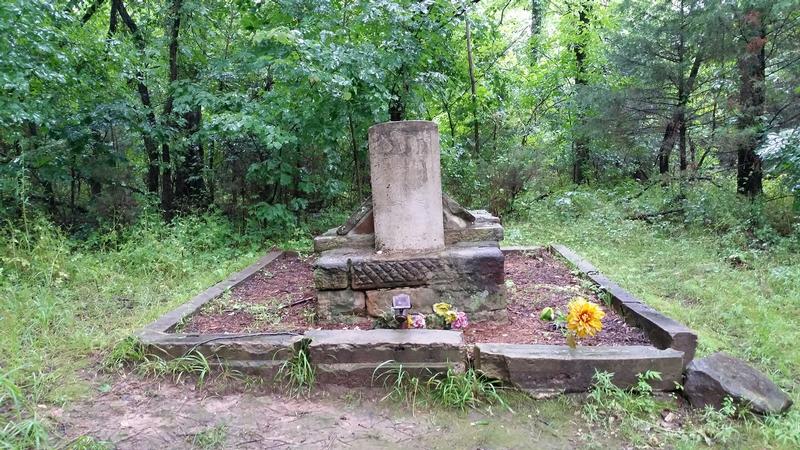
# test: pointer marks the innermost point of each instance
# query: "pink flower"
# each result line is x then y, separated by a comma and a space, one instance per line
461, 321
415, 321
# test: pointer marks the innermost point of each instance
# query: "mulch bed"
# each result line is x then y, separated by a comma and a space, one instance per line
281, 298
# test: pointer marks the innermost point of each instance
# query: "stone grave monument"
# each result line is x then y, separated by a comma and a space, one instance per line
410, 238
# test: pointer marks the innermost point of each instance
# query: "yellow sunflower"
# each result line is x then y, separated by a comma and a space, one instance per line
584, 318
442, 308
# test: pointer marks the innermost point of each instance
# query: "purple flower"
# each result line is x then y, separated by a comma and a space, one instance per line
415, 321
461, 321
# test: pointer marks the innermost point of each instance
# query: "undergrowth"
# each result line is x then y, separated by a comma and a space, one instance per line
451, 389
297, 372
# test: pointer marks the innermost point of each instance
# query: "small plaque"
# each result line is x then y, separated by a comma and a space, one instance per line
401, 301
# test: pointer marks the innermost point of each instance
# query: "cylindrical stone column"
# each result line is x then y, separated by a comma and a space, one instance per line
406, 186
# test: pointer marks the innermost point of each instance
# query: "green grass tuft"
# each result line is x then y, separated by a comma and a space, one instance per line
297, 372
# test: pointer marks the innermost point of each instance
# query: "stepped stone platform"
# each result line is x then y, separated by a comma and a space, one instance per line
359, 357
351, 281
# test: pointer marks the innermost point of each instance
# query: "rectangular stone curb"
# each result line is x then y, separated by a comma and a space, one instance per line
351, 357
170, 320
662, 331
382, 374
255, 354
522, 248
557, 368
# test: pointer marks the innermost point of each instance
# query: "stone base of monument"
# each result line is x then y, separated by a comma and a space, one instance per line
360, 281
361, 357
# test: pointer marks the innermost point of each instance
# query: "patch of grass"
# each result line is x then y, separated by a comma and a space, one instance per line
193, 364
89, 443
28, 433
10, 393
210, 438
127, 351
451, 389
401, 385
297, 372
462, 390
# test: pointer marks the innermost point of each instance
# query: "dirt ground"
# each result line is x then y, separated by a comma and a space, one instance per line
281, 298
141, 413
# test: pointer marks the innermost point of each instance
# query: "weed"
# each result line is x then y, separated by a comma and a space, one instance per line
297, 371
28, 433
210, 438
89, 443
9, 391
309, 315
193, 364
127, 351
402, 386
451, 389
462, 390
607, 401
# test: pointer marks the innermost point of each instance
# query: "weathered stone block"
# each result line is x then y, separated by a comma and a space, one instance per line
549, 368
342, 302
474, 233
331, 271
377, 346
662, 331
356, 357
477, 267
406, 186
380, 301
473, 301
260, 355
709, 380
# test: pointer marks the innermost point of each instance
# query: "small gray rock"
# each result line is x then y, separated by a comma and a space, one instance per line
709, 380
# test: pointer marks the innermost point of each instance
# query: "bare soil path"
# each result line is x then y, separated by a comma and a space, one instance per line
141, 413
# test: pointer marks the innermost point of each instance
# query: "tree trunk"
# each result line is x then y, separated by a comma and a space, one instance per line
476, 137
167, 189
397, 106
580, 145
354, 149
676, 127
190, 186
150, 145
752, 67
667, 143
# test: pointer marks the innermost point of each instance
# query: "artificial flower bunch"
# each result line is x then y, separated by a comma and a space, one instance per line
583, 319
444, 316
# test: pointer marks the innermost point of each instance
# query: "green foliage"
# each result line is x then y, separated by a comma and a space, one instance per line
462, 390
89, 443
451, 389
210, 438
193, 364
26, 433
297, 373
127, 351
606, 400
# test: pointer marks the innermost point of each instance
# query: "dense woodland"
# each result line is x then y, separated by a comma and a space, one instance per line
259, 109
149, 148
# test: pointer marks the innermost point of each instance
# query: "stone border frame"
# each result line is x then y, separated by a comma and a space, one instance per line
537, 368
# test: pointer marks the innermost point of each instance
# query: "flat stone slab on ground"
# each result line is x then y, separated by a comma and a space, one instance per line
709, 380
550, 368
357, 357
261, 355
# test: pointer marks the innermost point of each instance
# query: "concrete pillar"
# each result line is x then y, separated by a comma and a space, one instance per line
406, 186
